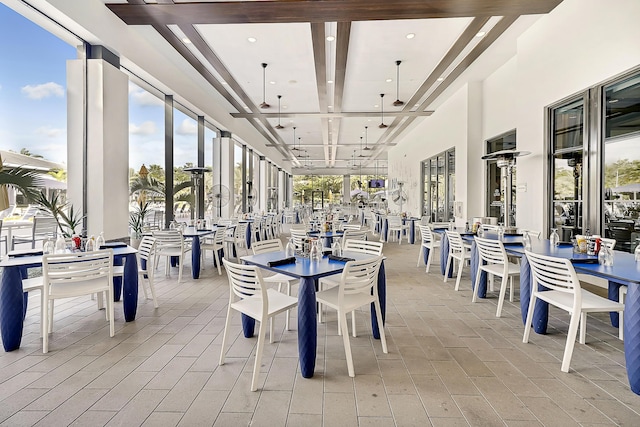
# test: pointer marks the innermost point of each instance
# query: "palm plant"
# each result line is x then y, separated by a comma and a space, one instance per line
67, 218
137, 217
27, 181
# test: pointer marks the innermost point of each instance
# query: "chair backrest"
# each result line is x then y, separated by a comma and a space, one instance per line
168, 239
146, 248
360, 277
265, 246
532, 233
7, 212
489, 227
610, 243
491, 250
455, 241
86, 269
394, 220
245, 281
445, 225
351, 227
424, 220
554, 273
427, 234
44, 226
297, 236
219, 235
363, 246
240, 231
354, 235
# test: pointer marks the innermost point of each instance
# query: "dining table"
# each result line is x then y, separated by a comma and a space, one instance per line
195, 234
625, 271
326, 236
13, 301
309, 272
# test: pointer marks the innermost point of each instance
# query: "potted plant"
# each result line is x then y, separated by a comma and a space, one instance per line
136, 221
67, 218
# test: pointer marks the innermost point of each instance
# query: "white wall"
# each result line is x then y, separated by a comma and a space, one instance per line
581, 43
445, 129
578, 45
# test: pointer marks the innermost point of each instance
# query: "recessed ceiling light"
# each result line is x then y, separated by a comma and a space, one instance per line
417, 105
481, 33
330, 81
252, 39
330, 38
410, 36
613, 101
284, 107
272, 82
440, 79
185, 40
376, 106
329, 106
389, 80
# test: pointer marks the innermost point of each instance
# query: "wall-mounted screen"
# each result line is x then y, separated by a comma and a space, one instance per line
376, 183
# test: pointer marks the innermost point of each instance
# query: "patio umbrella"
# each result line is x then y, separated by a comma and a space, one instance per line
359, 193
4, 195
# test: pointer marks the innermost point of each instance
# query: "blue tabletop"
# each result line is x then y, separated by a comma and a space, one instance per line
193, 232
36, 260
326, 234
303, 267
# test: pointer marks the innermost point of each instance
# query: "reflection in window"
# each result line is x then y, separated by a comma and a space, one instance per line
567, 168
622, 107
439, 186
495, 198
185, 155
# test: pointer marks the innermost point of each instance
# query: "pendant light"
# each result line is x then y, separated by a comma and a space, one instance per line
294, 140
366, 138
264, 87
382, 125
397, 102
279, 126
360, 155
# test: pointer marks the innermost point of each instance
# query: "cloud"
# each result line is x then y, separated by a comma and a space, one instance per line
142, 97
145, 128
187, 127
44, 90
50, 132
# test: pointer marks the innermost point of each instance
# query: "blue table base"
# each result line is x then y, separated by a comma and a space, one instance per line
444, 254
475, 265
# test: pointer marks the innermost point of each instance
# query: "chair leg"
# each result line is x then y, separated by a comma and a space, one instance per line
181, 261
256, 365
571, 341
45, 326
429, 258
460, 265
503, 290
511, 289
419, 256
347, 344
446, 270
583, 328
110, 304
224, 336
217, 255
353, 324
286, 324
527, 325
383, 338
476, 290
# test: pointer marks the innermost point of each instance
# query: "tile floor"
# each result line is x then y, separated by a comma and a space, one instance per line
450, 363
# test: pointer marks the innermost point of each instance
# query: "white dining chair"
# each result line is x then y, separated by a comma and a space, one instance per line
430, 242
565, 292
171, 243
494, 261
44, 227
459, 252
395, 225
350, 245
215, 244
72, 275
275, 245
145, 258
357, 288
249, 296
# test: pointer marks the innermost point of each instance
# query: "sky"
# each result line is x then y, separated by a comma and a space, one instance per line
33, 102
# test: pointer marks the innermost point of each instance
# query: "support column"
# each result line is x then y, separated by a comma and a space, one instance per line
223, 172
346, 189
289, 191
262, 205
99, 185
201, 130
168, 160
244, 179
281, 189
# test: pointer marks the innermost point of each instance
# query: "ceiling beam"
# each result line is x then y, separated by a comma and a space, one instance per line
288, 11
345, 114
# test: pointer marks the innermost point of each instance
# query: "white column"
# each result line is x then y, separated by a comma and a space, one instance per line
264, 166
107, 186
346, 189
223, 171
281, 189
290, 190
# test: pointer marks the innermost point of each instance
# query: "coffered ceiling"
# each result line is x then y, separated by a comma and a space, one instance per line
331, 60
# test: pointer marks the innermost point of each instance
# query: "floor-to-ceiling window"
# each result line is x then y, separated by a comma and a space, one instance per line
438, 175
495, 196
209, 136
185, 155
237, 177
595, 173
33, 101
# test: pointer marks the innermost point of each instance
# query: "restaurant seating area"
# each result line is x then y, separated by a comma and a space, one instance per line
449, 362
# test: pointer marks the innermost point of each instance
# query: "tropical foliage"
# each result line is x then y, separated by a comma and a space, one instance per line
67, 218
